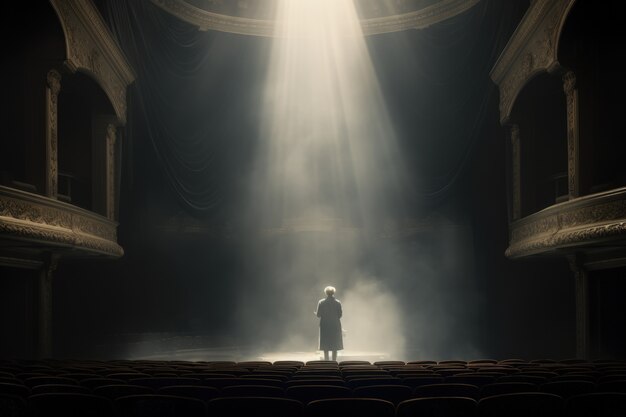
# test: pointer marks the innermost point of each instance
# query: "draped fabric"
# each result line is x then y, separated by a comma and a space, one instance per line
197, 94
439, 90
191, 103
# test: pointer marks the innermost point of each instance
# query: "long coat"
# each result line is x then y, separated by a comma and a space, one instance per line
329, 311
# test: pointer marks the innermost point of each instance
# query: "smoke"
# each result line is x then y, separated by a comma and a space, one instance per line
372, 319
330, 204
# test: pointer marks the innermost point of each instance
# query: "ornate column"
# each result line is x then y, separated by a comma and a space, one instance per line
52, 92
44, 299
110, 171
516, 174
581, 287
573, 139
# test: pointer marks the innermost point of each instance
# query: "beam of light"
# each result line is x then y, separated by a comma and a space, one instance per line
328, 178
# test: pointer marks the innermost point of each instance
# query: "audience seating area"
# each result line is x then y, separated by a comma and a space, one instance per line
489, 388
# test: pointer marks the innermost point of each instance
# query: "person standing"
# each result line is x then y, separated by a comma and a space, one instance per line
329, 311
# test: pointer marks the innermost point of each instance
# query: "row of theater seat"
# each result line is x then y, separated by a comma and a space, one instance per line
390, 388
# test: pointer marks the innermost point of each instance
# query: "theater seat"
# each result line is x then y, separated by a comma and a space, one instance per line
437, 407
70, 404
255, 406
357, 407
596, 404
149, 405
393, 393
525, 404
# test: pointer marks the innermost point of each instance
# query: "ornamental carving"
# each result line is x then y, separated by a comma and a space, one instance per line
210, 18
516, 174
110, 171
532, 49
576, 223
571, 99
52, 93
91, 48
29, 217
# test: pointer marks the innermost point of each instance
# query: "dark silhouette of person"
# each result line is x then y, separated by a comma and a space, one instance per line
329, 311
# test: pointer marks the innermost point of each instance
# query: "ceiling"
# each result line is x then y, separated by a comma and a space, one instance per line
255, 17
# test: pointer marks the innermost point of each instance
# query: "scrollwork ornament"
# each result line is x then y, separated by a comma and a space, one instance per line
52, 91
577, 225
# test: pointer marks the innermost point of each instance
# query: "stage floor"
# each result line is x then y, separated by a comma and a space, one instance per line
240, 355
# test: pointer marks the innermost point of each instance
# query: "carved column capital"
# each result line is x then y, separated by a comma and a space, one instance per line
54, 81
569, 82
111, 132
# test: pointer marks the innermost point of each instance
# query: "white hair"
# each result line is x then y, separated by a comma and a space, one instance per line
329, 290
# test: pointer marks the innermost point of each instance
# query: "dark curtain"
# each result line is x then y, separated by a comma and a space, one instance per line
438, 90
194, 98
197, 95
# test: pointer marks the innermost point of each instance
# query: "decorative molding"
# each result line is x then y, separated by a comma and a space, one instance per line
53, 87
33, 218
516, 154
419, 19
90, 47
205, 19
532, 49
571, 225
573, 144
110, 171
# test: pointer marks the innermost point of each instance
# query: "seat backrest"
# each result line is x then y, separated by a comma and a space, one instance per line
78, 376
14, 389
127, 376
44, 380
260, 381
289, 363
307, 393
393, 393
612, 386
524, 404
201, 393
367, 381
416, 381
437, 406
311, 381
13, 405
42, 389
220, 383
393, 363
574, 377
498, 388
568, 389
148, 405
473, 379
60, 404
255, 406
121, 390
596, 404
98, 382
447, 390
252, 391
158, 382
533, 379
342, 407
